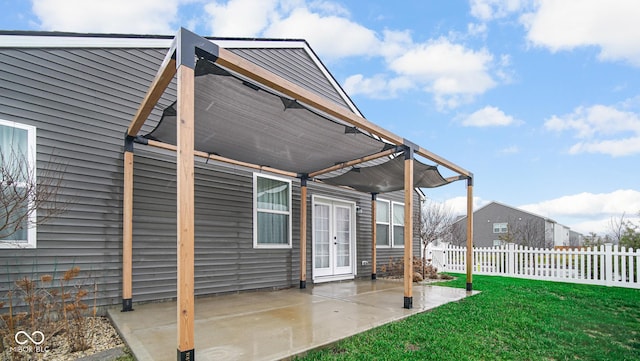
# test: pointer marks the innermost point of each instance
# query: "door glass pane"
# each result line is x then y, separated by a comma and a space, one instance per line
321, 236
343, 236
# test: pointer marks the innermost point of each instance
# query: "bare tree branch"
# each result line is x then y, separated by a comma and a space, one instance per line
24, 194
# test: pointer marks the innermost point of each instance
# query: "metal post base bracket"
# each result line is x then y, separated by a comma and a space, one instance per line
303, 284
188, 355
127, 305
374, 276
408, 303
469, 287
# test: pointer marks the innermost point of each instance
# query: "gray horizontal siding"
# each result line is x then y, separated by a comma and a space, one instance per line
81, 101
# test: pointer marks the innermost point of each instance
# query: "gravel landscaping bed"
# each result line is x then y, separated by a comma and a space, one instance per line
102, 337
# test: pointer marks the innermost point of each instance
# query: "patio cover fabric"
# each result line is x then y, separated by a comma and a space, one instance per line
388, 177
240, 120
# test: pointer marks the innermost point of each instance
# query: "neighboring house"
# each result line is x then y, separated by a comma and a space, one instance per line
71, 97
496, 224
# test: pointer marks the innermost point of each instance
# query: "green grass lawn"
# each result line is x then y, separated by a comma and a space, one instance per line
512, 319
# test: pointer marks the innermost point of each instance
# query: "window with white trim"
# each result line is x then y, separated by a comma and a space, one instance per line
398, 224
271, 212
18, 159
500, 227
383, 237
389, 224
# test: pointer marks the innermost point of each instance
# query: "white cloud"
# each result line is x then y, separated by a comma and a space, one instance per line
487, 10
115, 16
565, 25
321, 31
377, 87
604, 129
453, 73
510, 150
588, 209
589, 204
488, 117
615, 148
240, 18
458, 205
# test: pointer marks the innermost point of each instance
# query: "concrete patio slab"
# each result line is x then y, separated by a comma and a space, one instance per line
277, 324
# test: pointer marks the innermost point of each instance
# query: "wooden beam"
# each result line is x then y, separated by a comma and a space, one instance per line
218, 158
408, 230
127, 233
443, 162
374, 235
469, 234
350, 163
156, 89
303, 233
185, 210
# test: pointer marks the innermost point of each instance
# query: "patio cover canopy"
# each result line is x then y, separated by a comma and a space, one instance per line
388, 177
239, 119
232, 110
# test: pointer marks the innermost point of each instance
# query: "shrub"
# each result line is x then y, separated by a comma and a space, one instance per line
55, 309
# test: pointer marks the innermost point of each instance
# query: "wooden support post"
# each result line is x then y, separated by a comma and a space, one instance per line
127, 230
408, 228
470, 234
303, 232
185, 212
374, 230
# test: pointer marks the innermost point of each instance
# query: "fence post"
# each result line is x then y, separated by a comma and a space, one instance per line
608, 264
511, 264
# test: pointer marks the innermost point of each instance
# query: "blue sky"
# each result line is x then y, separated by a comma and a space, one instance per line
539, 99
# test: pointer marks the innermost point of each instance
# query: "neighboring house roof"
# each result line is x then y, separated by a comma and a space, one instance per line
510, 207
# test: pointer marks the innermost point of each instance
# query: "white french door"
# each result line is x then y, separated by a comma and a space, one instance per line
333, 239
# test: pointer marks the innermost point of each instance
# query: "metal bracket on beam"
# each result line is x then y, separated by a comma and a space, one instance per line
304, 177
141, 140
128, 142
189, 45
409, 148
470, 181
130, 139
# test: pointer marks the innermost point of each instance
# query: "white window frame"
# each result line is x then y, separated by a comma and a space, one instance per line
501, 228
289, 213
387, 224
390, 224
393, 237
31, 241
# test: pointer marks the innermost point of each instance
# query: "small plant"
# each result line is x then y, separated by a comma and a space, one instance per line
35, 305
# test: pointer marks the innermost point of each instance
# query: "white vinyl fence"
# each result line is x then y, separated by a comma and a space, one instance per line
607, 265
